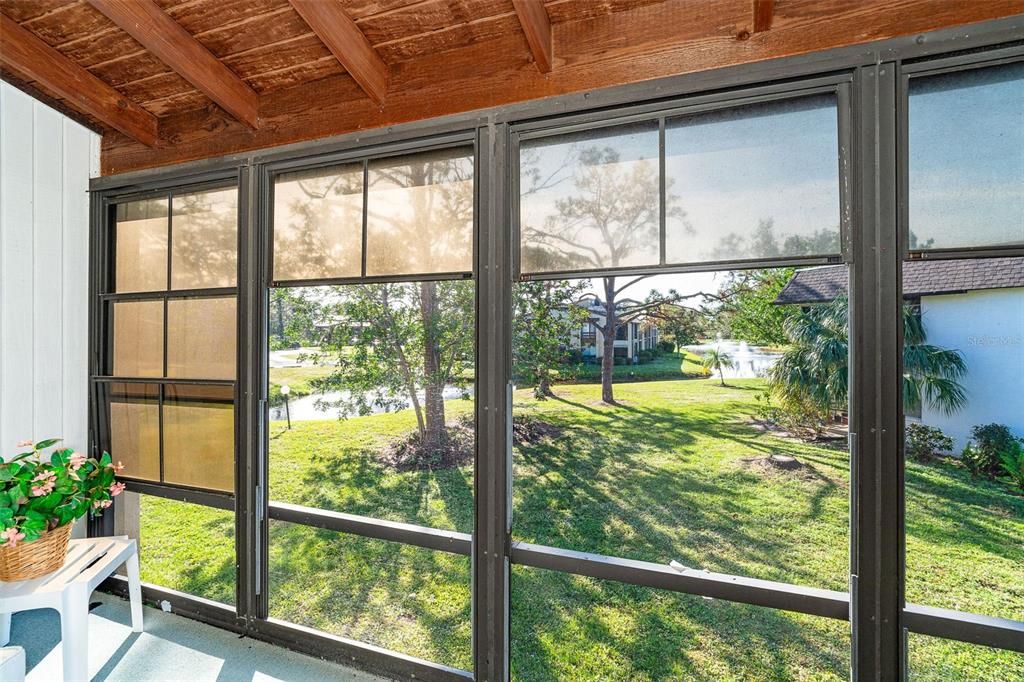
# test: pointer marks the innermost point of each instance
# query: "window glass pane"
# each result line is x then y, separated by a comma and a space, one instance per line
590, 200
967, 158
719, 439
318, 223
378, 418
930, 659
140, 233
758, 181
204, 234
420, 214
138, 339
407, 599
963, 362
566, 627
201, 336
182, 546
134, 428
199, 436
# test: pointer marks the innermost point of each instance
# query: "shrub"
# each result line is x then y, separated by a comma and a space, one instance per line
984, 452
666, 346
924, 442
619, 360
1012, 461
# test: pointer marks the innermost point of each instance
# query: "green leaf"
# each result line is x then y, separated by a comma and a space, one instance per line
6, 514
49, 442
6, 472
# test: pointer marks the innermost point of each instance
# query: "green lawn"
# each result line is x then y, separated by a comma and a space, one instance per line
663, 476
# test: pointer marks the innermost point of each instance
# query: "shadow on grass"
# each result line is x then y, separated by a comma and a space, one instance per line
568, 627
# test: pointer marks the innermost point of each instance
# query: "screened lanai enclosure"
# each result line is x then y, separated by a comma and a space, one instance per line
445, 339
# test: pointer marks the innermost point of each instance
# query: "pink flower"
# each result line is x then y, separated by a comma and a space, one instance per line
77, 460
116, 467
116, 488
45, 481
27, 443
101, 504
12, 537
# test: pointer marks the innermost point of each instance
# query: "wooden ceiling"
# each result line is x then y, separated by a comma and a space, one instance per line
173, 80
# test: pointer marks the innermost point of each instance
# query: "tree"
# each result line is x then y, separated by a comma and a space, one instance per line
606, 217
546, 316
399, 345
815, 368
718, 360
293, 318
747, 306
681, 326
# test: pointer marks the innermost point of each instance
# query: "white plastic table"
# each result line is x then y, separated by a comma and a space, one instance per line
90, 562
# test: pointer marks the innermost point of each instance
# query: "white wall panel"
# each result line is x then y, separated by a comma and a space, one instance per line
46, 161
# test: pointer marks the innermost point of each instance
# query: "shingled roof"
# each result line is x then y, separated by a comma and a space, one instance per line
920, 278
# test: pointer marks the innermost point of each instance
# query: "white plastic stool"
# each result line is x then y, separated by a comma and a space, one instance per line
89, 562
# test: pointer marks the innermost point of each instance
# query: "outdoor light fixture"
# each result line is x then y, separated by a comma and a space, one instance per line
287, 413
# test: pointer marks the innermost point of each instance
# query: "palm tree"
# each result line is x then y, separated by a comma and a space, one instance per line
716, 359
816, 366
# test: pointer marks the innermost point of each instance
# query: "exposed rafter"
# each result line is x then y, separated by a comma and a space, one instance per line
30, 58
175, 47
347, 43
763, 11
537, 28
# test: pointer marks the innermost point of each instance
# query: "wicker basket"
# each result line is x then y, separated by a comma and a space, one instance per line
28, 560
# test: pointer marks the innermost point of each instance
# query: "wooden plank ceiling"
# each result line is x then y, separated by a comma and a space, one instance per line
213, 77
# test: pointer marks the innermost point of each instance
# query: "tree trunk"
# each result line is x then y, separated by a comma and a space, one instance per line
433, 385
608, 341
721, 375
543, 389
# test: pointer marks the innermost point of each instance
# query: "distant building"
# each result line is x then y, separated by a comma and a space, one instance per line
630, 338
975, 306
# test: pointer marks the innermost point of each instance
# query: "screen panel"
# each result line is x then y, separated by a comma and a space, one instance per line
318, 223
966, 163
407, 599
199, 436
756, 181
420, 214
590, 200
201, 338
133, 422
140, 237
138, 343
204, 239
182, 546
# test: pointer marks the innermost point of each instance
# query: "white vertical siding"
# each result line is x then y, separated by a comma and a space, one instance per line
46, 161
988, 328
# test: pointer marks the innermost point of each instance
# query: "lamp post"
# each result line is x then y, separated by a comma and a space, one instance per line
285, 391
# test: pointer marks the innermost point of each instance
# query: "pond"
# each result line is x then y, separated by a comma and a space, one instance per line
750, 361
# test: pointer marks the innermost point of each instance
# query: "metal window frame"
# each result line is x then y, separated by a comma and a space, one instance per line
874, 604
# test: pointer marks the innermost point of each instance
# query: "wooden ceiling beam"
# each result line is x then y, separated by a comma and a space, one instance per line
763, 11
348, 44
144, 21
537, 28
32, 59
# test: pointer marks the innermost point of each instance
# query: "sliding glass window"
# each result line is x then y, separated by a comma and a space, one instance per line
370, 425
166, 388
